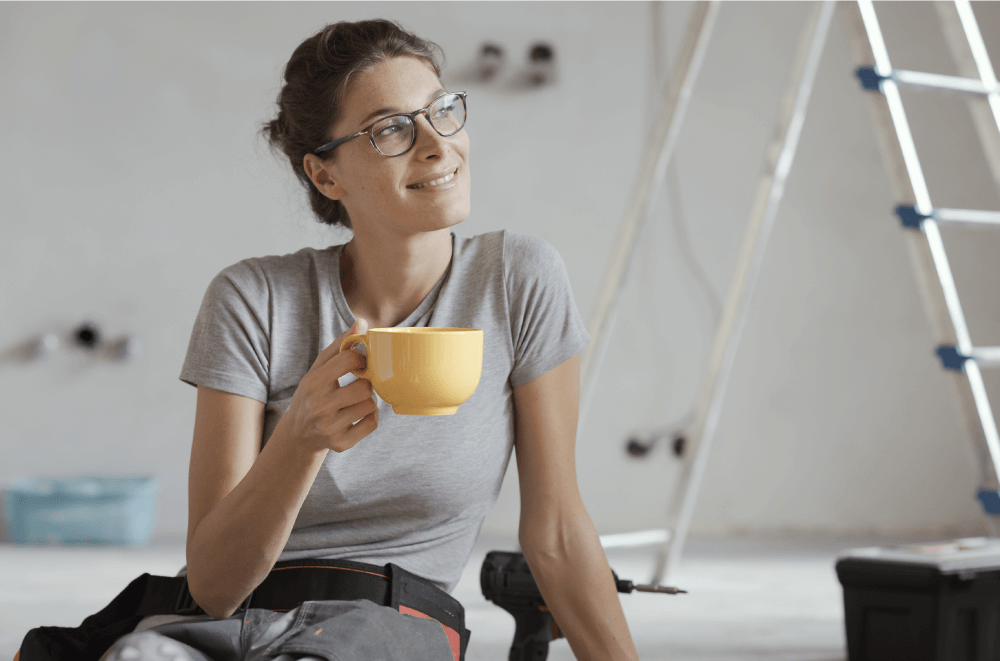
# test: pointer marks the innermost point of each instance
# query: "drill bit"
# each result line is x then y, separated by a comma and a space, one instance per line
659, 588
627, 586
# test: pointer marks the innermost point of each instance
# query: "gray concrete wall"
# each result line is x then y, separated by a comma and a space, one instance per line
132, 174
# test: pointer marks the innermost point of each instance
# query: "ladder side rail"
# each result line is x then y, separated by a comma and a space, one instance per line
780, 154
965, 42
659, 150
972, 59
907, 176
897, 116
925, 247
978, 48
985, 414
905, 172
892, 153
977, 416
968, 382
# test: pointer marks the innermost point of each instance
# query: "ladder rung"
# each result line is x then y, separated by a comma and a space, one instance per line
986, 356
913, 219
634, 539
919, 79
871, 80
967, 216
982, 356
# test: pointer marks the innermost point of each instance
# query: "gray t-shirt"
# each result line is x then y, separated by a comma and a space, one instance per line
415, 491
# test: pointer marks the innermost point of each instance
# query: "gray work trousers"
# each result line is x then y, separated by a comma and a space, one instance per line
317, 630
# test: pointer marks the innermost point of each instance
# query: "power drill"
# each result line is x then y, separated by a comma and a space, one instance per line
507, 581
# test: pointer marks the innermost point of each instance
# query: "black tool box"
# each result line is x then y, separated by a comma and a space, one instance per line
923, 602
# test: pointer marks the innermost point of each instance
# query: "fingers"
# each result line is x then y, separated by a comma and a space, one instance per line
354, 393
339, 365
350, 433
326, 415
359, 411
363, 428
347, 404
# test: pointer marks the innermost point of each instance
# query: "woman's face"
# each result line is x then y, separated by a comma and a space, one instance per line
384, 194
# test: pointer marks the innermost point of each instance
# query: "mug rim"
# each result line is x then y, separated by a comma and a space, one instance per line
425, 330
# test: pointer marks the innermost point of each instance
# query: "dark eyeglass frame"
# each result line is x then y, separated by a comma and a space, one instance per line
330, 146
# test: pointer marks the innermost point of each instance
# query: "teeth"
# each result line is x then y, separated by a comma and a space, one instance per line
437, 182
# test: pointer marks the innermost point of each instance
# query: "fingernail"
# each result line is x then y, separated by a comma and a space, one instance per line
354, 328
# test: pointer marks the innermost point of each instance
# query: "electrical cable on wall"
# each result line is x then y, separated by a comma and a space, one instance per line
639, 446
687, 252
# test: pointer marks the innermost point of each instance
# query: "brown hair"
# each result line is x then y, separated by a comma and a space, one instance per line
316, 80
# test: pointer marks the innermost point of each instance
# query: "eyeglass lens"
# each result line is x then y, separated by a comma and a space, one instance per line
395, 135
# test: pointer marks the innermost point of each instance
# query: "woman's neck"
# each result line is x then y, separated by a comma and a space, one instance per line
385, 281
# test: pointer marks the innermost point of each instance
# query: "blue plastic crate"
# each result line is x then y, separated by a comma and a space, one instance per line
81, 510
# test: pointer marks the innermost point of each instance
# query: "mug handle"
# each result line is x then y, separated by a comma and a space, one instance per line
352, 340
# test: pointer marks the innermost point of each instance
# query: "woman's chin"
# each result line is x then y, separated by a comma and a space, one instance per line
452, 215
445, 223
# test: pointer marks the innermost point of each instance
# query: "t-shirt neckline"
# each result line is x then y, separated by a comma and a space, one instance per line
345, 311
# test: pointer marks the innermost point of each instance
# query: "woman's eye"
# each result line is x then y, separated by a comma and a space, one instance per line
389, 131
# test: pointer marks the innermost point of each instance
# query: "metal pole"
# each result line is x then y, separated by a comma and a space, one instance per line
659, 149
781, 152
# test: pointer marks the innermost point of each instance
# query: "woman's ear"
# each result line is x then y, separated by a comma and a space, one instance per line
319, 172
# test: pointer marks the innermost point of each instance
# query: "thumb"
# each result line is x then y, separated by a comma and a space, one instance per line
360, 327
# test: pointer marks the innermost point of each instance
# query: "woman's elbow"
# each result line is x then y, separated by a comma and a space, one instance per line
214, 606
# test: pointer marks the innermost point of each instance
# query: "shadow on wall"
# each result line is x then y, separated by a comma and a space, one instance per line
491, 65
86, 337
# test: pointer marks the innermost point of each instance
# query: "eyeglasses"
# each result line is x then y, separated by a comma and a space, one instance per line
396, 134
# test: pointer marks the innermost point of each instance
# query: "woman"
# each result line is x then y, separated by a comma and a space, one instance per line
294, 460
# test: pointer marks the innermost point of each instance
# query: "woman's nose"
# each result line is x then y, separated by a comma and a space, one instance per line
430, 143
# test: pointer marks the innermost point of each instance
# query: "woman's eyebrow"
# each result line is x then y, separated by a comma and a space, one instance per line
378, 113
389, 111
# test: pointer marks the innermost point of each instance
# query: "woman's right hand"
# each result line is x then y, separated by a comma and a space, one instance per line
322, 413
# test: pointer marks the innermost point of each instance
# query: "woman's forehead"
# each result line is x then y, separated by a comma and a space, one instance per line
401, 84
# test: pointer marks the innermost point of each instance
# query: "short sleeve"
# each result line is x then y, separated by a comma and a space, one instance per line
229, 347
546, 327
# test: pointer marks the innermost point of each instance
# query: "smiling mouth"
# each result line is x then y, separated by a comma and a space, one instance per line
436, 182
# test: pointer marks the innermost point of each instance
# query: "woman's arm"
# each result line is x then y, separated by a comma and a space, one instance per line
557, 537
242, 501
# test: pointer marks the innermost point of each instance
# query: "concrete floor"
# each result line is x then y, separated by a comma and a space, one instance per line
749, 599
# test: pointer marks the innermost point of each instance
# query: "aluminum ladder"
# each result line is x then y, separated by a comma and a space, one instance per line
660, 146
959, 356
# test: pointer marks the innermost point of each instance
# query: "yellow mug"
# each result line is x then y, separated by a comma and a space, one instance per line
422, 371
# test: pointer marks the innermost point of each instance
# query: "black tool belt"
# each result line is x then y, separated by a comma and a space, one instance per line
287, 585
